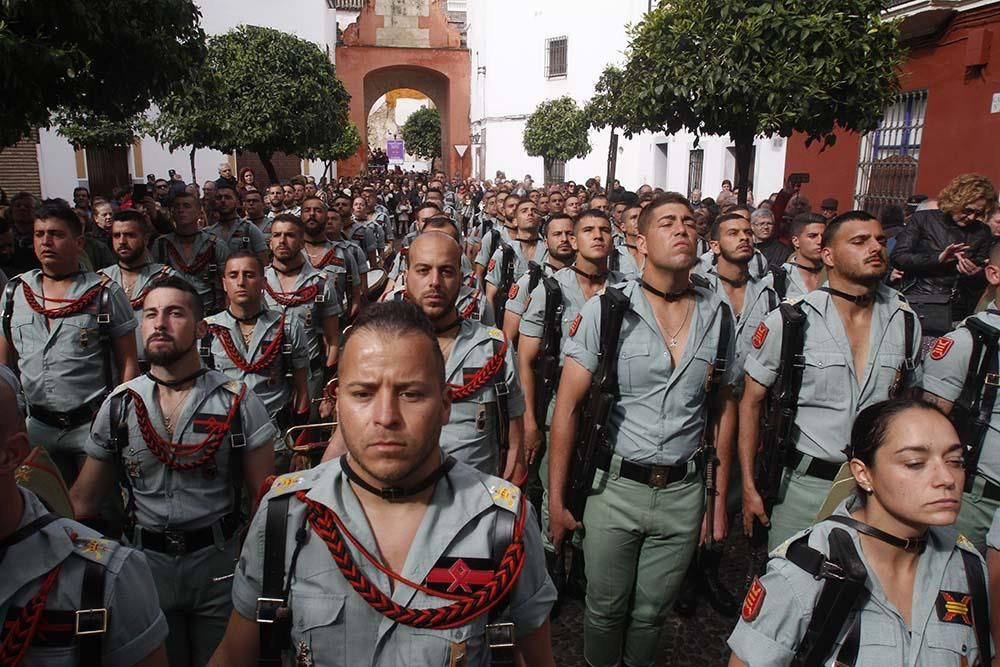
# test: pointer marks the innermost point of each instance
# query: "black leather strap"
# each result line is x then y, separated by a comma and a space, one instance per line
92, 616
912, 544
26, 531
818, 468
273, 619
980, 604
653, 476
499, 625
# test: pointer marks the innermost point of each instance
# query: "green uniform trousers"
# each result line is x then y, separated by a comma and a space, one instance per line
803, 498
638, 542
976, 515
196, 606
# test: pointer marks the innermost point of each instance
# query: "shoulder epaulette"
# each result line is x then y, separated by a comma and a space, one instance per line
97, 549
962, 542
234, 386
495, 334
780, 550
288, 483
505, 494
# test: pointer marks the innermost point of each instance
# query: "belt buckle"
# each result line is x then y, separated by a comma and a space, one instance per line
658, 477
993, 379
267, 609
175, 542
91, 621
831, 570
500, 635
501, 388
62, 418
104, 318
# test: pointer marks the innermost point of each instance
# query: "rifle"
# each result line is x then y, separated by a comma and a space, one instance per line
548, 360
507, 261
709, 446
778, 424
973, 409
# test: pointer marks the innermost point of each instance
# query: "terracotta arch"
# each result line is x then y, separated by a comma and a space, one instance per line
372, 62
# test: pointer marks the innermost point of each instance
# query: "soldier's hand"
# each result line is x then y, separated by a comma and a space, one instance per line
532, 441
720, 528
326, 408
753, 509
561, 523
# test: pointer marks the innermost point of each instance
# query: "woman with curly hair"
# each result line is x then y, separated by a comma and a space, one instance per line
942, 253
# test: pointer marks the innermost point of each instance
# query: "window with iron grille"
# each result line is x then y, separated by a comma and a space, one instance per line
696, 165
887, 163
555, 57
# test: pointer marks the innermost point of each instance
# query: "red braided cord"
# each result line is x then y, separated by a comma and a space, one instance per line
73, 306
482, 376
168, 452
18, 639
325, 259
297, 298
266, 358
328, 527
471, 308
137, 301
200, 262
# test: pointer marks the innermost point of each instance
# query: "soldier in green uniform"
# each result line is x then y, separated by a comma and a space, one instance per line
559, 244
953, 375
182, 441
805, 266
68, 596
345, 259
442, 531
497, 235
265, 349
194, 253
527, 247
238, 233
294, 286
69, 334
135, 271
886, 579
644, 515
861, 347
358, 230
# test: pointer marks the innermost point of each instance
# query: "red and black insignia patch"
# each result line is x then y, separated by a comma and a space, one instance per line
337, 261
460, 575
514, 289
759, 336
206, 423
753, 601
489, 267
940, 348
576, 325
954, 607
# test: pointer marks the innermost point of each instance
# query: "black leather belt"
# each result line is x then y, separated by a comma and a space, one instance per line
317, 363
181, 542
64, 420
656, 477
991, 490
818, 468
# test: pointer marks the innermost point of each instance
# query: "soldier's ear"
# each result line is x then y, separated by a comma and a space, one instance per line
201, 329
827, 255
992, 274
13, 452
640, 244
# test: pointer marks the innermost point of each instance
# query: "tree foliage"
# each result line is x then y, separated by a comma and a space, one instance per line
85, 130
762, 67
422, 133
557, 130
346, 146
260, 90
103, 60
609, 107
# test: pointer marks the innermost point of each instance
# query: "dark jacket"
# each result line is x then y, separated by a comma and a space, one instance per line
916, 253
776, 252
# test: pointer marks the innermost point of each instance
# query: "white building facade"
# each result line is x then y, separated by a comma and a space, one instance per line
61, 168
525, 52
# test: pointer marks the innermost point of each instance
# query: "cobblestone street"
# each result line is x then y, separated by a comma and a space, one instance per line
699, 640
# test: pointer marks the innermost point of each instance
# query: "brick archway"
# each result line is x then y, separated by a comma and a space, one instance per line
425, 54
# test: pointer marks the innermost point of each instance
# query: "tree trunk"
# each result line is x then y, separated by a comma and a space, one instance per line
265, 159
547, 169
744, 153
612, 160
194, 174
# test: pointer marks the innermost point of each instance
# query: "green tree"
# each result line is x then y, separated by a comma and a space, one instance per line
345, 147
105, 59
260, 90
748, 68
556, 131
609, 108
422, 134
85, 130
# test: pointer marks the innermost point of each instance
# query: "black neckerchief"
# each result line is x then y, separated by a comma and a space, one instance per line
290, 272
245, 320
445, 329
394, 492
668, 296
187, 236
552, 268
859, 299
733, 283
592, 277
132, 269
61, 277
911, 544
810, 269
172, 384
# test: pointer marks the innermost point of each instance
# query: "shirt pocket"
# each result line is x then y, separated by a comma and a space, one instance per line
26, 340
442, 648
319, 625
633, 366
826, 379
889, 367
946, 642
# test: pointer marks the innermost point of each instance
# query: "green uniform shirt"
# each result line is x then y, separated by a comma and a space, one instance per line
831, 394
622, 261
168, 499
796, 285
62, 368
207, 280
519, 294
758, 264
660, 417
945, 370
335, 627
136, 626
494, 270
573, 300
770, 630
244, 236
146, 275
326, 303
360, 233
485, 253
271, 384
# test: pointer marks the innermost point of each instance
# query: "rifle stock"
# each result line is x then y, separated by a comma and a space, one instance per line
547, 363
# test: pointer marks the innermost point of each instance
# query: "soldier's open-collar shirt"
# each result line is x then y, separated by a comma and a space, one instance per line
573, 300
312, 314
144, 276
494, 270
201, 281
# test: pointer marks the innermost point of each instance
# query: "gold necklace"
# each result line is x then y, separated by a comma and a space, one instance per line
168, 420
673, 337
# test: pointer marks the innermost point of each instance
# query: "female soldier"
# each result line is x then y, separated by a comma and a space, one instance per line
884, 580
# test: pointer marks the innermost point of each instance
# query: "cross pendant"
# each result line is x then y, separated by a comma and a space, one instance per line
672, 343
